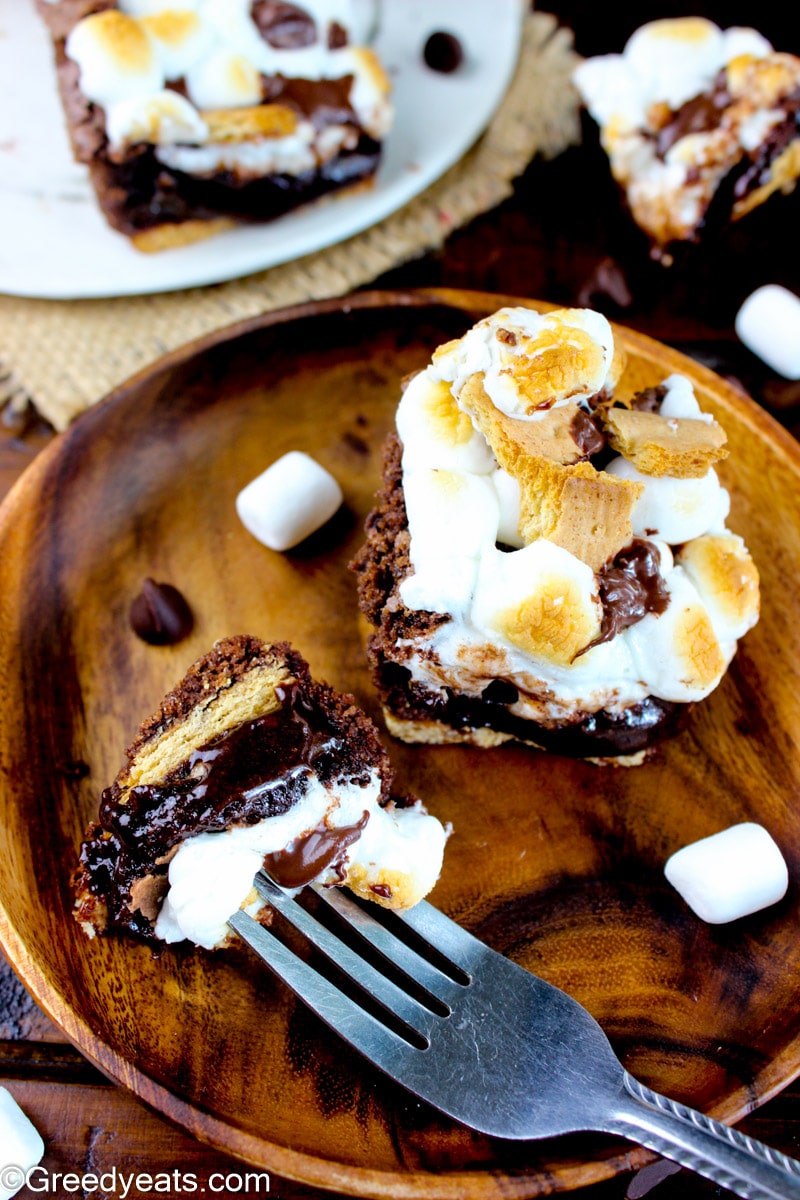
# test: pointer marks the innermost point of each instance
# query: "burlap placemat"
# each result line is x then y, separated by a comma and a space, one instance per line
66, 355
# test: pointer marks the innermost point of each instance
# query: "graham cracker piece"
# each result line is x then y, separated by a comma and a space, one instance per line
252, 695
244, 124
549, 436
585, 511
683, 447
185, 233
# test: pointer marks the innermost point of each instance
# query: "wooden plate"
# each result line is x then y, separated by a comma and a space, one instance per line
557, 863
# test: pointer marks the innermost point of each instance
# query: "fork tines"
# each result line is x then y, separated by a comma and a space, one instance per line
409, 1003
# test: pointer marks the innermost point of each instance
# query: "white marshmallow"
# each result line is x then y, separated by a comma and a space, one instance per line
224, 79
181, 39
769, 324
680, 400
212, 874
730, 874
21, 1145
114, 67
158, 119
675, 510
289, 501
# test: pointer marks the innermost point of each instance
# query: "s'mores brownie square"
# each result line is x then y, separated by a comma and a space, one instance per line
695, 120
249, 762
194, 115
548, 560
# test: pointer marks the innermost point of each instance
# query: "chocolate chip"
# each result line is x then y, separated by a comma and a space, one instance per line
160, 615
500, 691
606, 283
443, 52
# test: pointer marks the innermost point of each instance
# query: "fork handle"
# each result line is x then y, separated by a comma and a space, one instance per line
720, 1153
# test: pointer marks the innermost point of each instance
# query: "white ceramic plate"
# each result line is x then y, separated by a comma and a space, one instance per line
57, 245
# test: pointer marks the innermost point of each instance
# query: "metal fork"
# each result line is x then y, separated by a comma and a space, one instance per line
491, 1045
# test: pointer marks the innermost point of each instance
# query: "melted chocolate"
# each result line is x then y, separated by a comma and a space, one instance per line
759, 171
630, 588
283, 26
306, 857
257, 770
321, 101
649, 399
701, 114
160, 615
595, 735
586, 435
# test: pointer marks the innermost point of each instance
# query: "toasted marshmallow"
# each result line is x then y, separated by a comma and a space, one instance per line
289, 501
160, 119
224, 79
117, 58
180, 37
540, 600
211, 875
22, 1145
678, 651
675, 58
726, 578
531, 361
675, 510
730, 874
665, 61
435, 432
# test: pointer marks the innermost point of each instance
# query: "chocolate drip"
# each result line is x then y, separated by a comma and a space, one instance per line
701, 114
630, 588
306, 857
759, 171
283, 26
585, 434
257, 770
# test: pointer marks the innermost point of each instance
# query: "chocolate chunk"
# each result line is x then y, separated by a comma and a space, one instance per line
500, 691
649, 399
443, 52
160, 615
630, 588
337, 36
586, 435
606, 282
284, 26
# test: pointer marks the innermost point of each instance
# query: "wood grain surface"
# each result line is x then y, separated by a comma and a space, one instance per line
556, 863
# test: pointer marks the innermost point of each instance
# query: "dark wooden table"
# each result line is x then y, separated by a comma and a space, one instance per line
562, 237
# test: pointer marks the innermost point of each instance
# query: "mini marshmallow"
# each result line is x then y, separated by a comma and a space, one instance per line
21, 1145
769, 324
730, 874
289, 501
